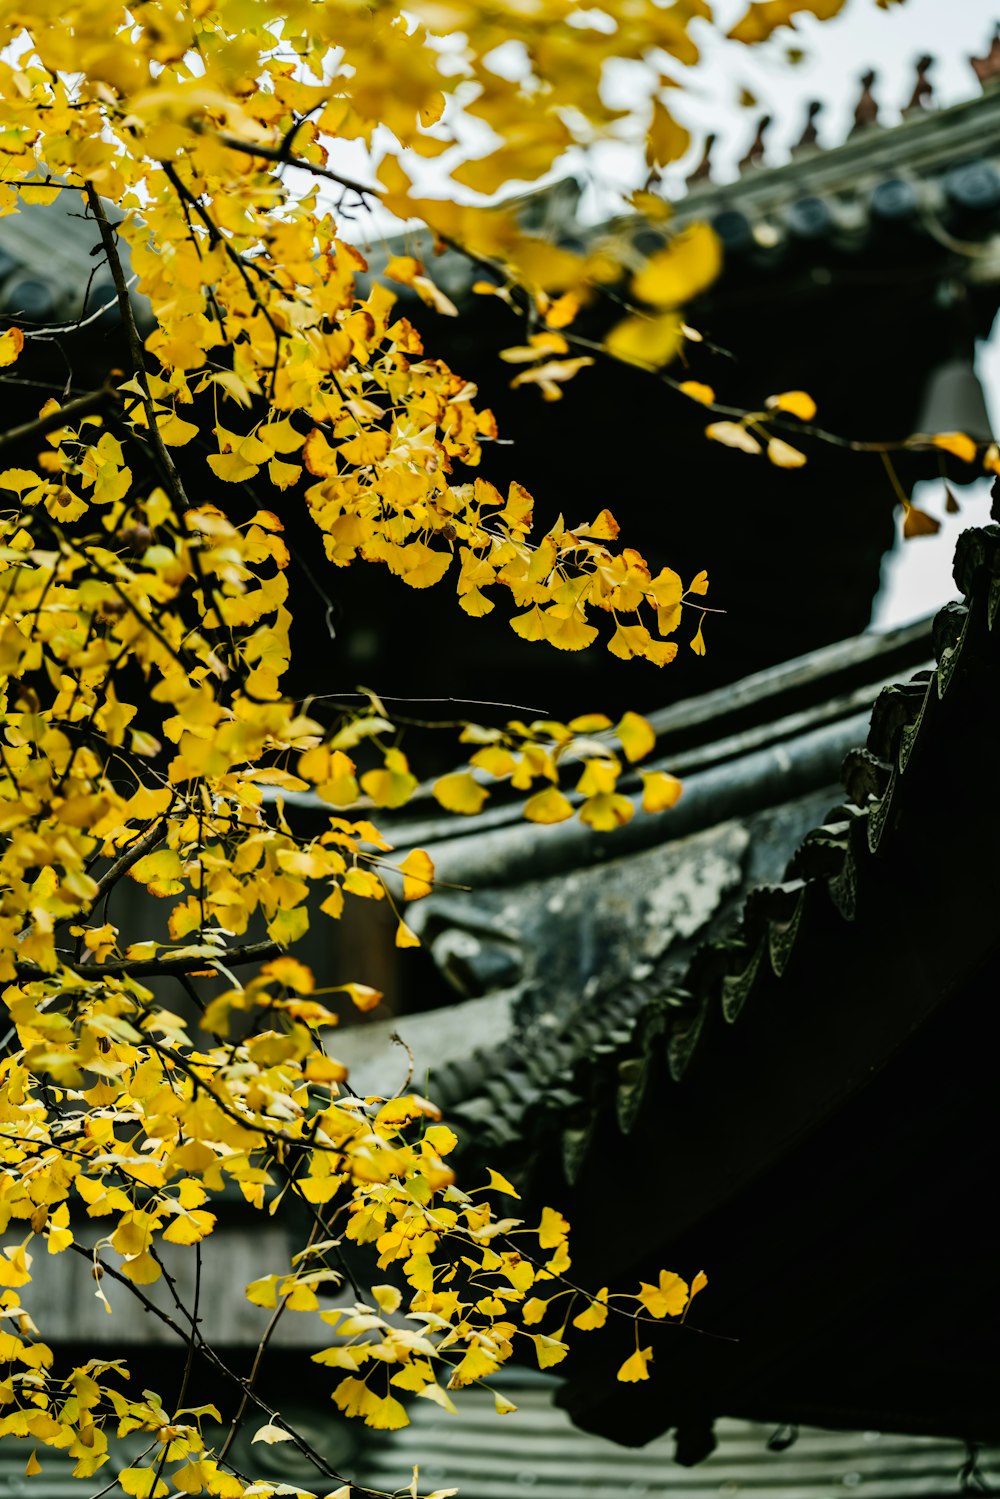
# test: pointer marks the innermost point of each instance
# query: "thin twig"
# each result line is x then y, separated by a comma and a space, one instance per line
135, 851
208, 1353
82, 406
276, 1315
253, 952
166, 463
283, 158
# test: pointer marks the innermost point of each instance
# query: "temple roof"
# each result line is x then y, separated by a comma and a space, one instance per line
794, 1095
794, 1090
927, 188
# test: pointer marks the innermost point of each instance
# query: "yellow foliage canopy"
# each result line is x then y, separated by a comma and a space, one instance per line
146, 729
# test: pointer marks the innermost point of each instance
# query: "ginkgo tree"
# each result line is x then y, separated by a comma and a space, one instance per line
145, 612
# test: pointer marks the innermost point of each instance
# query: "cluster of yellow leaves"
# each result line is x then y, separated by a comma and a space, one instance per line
144, 639
764, 17
159, 1126
750, 433
917, 522
110, 1103
520, 755
76, 1414
201, 606
687, 264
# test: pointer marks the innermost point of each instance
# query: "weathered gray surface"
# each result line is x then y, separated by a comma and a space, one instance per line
61, 1295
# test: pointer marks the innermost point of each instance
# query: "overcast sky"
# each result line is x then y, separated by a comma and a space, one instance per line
837, 52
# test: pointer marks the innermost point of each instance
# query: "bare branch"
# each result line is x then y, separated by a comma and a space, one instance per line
281, 156
234, 957
166, 463
135, 851
82, 406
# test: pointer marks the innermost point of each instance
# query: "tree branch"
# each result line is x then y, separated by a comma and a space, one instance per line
82, 406
209, 1353
276, 1316
233, 957
166, 463
135, 851
280, 155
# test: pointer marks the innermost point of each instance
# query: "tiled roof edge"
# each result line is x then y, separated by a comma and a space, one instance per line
601, 1066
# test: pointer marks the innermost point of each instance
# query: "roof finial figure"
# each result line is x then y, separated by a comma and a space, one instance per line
755, 155
923, 89
703, 171
809, 139
866, 109
987, 68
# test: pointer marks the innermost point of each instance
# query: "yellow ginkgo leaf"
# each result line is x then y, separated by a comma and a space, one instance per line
649, 342
386, 1414
636, 736
271, 1434
190, 1228
552, 374
919, 523
783, 455
417, 870
174, 430
666, 140
548, 806
683, 268
695, 391
548, 1350
660, 791
394, 784
11, 344
421, 566
552, 1229
388, 1299
139, 1482
636, 1368
667, 1298
280, 436
796, 402
283, 475
957, 443
500, 1183
232, 468
362, 996
607, 811
733, 435
406, 936
325, 1070
595, 1315
460, 792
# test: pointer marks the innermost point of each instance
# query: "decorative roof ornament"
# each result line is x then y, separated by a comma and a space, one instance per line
703, 171
987, 68
866, 109
923, 90
755, 155
809, 139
